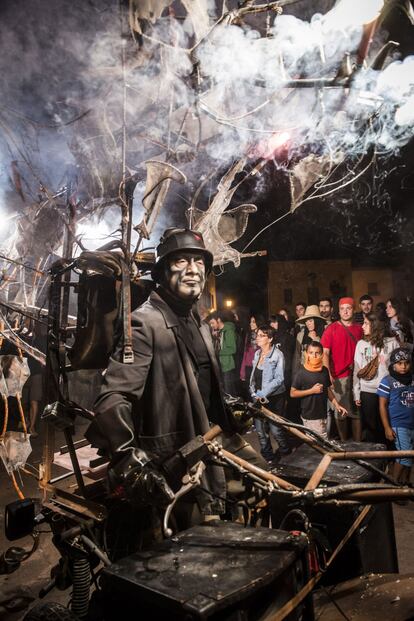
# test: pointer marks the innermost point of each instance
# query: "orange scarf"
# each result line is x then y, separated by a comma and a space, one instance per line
313, 364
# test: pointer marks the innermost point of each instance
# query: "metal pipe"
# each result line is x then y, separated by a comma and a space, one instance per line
212, 433
295, 432
366, 40
74, 459
319, 472
263, 474
370, 454
332, 449
94, 548
381, 495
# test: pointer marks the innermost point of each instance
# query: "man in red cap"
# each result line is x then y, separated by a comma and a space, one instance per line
339, 342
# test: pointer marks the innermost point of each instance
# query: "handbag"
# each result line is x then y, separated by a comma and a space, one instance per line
370, 370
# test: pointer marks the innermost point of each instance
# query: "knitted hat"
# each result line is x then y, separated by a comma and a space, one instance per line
399, 355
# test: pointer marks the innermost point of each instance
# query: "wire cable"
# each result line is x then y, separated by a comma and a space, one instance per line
265, 228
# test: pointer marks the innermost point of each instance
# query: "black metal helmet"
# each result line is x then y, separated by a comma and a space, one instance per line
173, 240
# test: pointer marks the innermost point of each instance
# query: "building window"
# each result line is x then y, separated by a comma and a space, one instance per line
373, 288
287, 296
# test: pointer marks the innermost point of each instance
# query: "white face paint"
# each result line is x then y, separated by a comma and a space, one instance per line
187, 275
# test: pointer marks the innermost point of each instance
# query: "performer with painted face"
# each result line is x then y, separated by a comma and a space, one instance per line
171, 393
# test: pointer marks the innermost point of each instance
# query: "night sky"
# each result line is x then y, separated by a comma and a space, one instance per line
48, 81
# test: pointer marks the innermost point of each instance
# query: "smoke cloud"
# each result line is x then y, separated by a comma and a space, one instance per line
75, 82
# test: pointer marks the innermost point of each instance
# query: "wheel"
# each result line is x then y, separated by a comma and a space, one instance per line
50, 611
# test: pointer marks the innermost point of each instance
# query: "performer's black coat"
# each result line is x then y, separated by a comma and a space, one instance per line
152, 407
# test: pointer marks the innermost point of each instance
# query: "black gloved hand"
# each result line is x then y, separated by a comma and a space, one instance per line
147, 486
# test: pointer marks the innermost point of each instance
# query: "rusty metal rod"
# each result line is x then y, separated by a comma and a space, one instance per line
323, 451
370, 454
319, 472
326, 461
259, 472
212, 433
295, 432
242, 463
381, 495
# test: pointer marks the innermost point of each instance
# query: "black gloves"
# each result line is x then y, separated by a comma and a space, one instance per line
142, 484
148, 487
132, 472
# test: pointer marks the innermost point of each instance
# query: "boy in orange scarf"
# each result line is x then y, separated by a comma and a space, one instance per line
312, 385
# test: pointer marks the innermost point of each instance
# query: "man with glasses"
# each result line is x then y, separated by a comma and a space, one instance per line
267, 385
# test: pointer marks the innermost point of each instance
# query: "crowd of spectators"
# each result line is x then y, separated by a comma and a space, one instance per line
345, 373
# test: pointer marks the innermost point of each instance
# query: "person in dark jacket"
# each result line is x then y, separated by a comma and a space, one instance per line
314, 326
250, 348
286, 343
228, 351
170, 393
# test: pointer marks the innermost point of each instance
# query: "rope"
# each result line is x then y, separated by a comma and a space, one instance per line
3, 433
6, 417
21, 412
16, 487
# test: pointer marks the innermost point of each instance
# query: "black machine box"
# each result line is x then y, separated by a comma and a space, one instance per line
372, 547
299, 466
216, 571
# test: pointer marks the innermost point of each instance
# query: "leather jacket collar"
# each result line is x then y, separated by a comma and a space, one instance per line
172, 321
170, 318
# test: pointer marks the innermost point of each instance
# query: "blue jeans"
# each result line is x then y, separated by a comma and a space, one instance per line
265, 428
404, 441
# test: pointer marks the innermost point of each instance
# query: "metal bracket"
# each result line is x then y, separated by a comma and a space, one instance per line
190, 480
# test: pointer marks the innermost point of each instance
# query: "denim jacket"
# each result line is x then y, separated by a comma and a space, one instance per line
272, 378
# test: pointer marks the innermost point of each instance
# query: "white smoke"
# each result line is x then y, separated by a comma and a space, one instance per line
236, 61
203, 109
